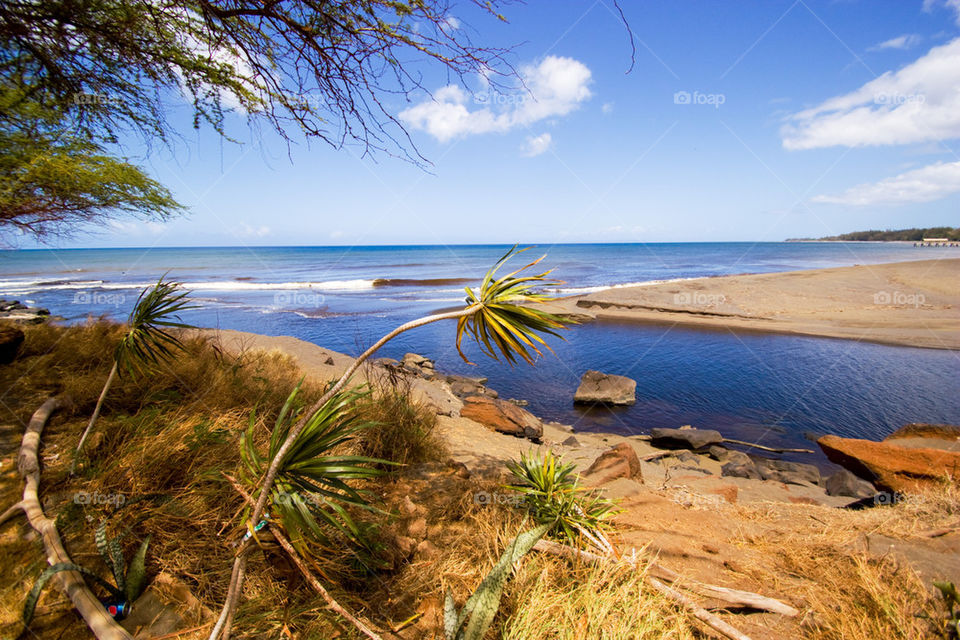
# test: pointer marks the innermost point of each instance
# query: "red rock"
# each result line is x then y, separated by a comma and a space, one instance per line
501, 416
619, 462
924, 430
891, 467
727, 492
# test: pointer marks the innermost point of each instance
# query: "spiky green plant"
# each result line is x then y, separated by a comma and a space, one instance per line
951, 600
129, 580
502, 316
478, 612
146, 343
313, 485
505, 320
553, 494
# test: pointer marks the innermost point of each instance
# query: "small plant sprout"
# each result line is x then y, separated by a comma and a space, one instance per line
146, 343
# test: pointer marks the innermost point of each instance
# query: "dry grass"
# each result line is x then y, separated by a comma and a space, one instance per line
817, 555
551, 599
163, 443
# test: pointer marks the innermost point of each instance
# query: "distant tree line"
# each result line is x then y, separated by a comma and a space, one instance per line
909, 235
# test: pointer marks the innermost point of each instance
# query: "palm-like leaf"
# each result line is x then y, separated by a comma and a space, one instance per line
507, 320
147, 343
312, 489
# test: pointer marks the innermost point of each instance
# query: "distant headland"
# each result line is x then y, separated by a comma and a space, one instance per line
941, 234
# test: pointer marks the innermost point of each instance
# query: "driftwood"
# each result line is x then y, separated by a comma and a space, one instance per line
301, 565
100, 622
763, 448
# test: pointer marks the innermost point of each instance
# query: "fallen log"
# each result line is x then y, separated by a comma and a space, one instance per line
103, 626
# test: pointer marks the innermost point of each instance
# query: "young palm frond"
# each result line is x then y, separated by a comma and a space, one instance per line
505, 320
554, 495
146, 343
312, 487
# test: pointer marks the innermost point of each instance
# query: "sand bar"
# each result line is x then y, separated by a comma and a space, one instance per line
902, 303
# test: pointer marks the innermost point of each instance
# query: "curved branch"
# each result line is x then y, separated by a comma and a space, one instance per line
103, 626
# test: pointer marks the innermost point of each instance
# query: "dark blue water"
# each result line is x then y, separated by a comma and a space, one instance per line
759, 387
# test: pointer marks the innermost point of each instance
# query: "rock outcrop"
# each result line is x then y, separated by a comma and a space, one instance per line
502, 416
605, 388
15, 311
619, 462
844, 483
684, 438
10, 340
891, 467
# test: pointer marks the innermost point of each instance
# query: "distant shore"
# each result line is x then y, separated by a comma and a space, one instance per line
913, 303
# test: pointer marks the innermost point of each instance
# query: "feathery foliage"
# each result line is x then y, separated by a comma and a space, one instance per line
506, 319
312, 487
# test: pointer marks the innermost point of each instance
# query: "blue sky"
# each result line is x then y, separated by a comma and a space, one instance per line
747, 120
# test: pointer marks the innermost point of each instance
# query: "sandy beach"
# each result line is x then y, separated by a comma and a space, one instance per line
903, 303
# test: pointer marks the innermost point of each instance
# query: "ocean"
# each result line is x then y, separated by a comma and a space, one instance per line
771, 389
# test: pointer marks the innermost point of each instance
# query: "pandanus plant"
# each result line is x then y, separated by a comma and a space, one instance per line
129, 579
502, 316
146, 343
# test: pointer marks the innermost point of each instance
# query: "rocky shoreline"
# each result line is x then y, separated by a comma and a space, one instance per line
485, 430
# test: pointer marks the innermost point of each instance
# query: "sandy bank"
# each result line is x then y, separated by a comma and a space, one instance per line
903, 303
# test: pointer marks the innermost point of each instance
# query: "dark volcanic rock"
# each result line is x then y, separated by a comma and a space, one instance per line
844, 483
10, 340
787, 472
684, 438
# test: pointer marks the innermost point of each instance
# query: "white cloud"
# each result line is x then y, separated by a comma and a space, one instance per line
905, 41
918, 103
607, 108
249, 231
555, 87
953, 5
535, 145
920, 185
450, 22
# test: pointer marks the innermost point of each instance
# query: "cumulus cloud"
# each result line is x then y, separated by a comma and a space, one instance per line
953, 5
920, 185
535, 145
905, 41
554, 87
918, 103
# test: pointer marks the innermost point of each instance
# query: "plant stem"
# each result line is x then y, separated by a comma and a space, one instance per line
226, 614
96, 414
